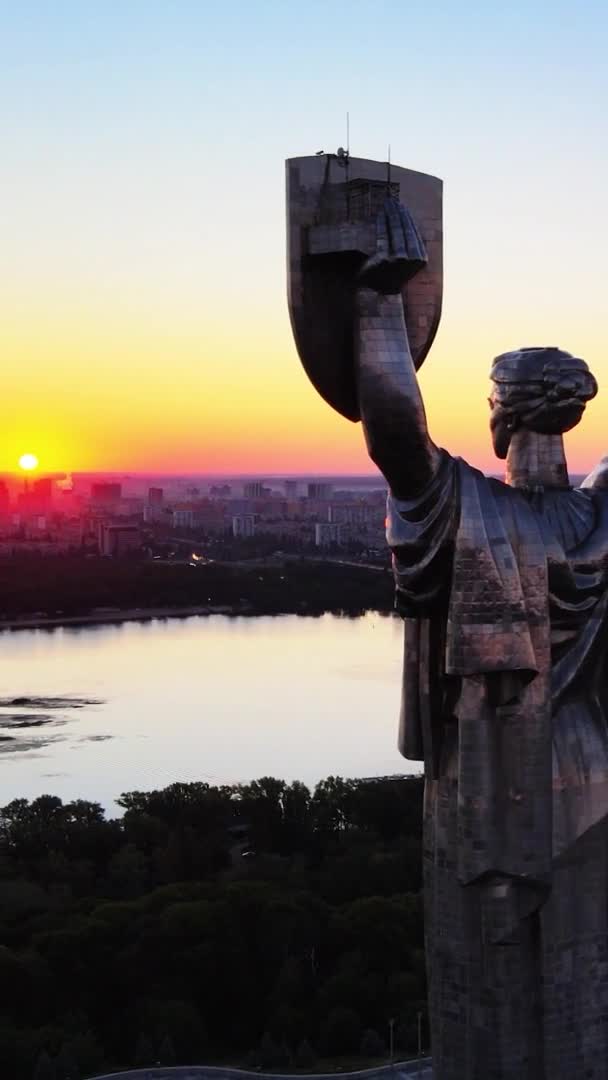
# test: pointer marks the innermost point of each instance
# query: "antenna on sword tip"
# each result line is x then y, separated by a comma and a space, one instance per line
344, 154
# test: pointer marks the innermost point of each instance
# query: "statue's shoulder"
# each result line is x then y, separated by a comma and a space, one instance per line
484, 481
598, 477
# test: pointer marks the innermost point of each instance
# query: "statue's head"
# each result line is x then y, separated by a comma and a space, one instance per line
542, 389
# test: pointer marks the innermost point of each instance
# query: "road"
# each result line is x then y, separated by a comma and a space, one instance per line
420, 1069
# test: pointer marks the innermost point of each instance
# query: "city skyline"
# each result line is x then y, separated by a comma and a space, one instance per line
145, 324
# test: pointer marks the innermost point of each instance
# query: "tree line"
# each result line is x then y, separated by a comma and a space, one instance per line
258, 924
77, 584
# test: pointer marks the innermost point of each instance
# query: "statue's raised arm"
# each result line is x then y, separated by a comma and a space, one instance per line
365, 286
390, 403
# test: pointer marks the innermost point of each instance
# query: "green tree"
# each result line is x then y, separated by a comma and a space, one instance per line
166, 1052
372, 1045
44, 1068
332, 804
284, 1059
127, 872
87, 1052
341, 1032
269, 1053
262, 805
297, 817
305, 1057
406, 1036
178, 1018
66, 1066
327, 941
144, 1052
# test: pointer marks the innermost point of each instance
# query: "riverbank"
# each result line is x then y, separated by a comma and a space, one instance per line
26, 622
79, 591
147, 614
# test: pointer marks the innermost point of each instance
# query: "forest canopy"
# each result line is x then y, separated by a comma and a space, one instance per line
259, 924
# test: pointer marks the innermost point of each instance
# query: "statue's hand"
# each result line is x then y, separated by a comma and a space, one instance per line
400, 251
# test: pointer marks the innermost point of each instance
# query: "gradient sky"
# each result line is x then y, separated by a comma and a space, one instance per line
144, 321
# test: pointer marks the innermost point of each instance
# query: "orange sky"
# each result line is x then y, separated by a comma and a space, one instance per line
98, 387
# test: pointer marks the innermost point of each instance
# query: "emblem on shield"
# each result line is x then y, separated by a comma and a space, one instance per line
333, 207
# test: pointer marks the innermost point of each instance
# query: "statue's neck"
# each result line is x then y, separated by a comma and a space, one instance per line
536, 461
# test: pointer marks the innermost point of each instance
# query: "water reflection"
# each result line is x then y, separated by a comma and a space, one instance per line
215, 698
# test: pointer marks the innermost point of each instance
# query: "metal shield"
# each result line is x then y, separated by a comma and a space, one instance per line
332, 207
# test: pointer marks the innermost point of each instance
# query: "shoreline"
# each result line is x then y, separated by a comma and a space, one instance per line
54, 622
119, 616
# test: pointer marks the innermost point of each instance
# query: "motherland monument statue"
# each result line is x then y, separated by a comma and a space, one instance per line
503, 590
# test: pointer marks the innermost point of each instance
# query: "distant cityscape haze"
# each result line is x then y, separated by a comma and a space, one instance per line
179, 518
182, 518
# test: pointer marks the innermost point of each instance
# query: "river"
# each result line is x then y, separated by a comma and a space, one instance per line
90, 712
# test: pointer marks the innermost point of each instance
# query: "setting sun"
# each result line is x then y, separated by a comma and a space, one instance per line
28, 462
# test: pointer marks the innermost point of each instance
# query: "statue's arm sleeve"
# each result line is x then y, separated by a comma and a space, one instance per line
598, 478
421, 531
390, 402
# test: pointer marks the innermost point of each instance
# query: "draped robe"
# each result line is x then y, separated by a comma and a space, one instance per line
504, 595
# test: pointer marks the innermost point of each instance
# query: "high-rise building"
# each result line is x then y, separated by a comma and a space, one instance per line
36, 497
4, 498
326, 533
184, 518
72, 531
319, 490
42, 494
354, 513
155, 514
116, 540
291, 489
104, 493
254, 489
243, 525
155, 496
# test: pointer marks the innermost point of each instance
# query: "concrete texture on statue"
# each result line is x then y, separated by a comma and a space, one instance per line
503, 588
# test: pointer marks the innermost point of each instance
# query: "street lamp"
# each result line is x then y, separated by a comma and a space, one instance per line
419, 1016
391, 1043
